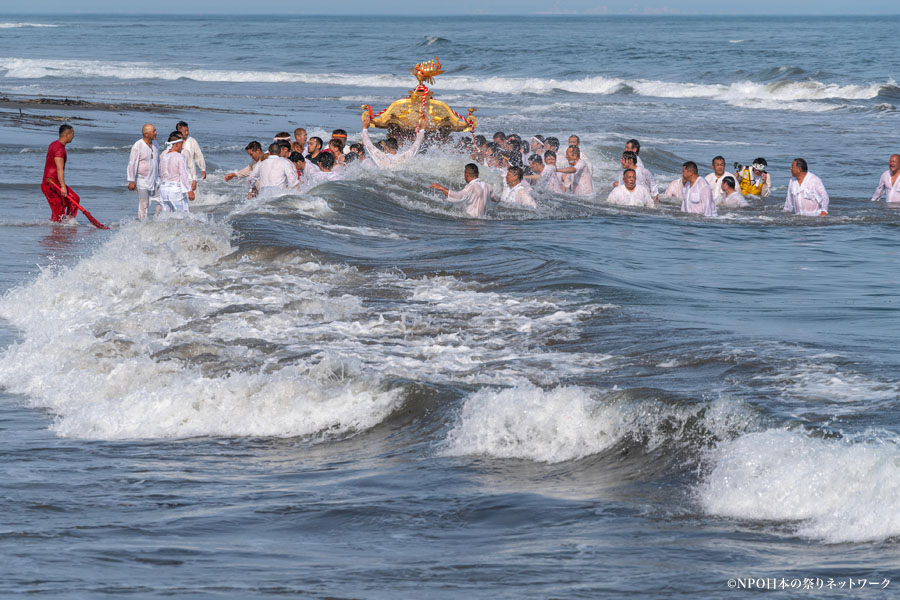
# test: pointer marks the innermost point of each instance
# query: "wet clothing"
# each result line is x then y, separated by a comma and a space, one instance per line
808, 199
697, 199
890, 190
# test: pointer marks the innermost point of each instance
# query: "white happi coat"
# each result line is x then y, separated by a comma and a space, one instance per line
808, 199
143, 165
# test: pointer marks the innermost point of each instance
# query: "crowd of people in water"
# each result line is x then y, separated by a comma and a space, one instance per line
170, 177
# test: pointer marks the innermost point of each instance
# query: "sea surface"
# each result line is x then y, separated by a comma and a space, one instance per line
358, 392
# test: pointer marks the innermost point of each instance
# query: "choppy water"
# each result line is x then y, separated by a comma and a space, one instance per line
356, 392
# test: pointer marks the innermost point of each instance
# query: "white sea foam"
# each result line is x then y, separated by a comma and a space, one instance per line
527, 422
838, 490
793, 95
571, 422
114, 346
18, 25
164, 333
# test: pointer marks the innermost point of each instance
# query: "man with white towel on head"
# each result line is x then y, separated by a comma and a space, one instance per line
174, 181
143, 169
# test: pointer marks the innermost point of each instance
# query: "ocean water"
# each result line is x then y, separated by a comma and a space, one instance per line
356, 392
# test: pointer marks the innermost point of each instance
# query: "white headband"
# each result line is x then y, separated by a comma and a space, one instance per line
173, 142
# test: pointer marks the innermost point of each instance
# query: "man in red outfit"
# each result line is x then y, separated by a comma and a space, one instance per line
53, 184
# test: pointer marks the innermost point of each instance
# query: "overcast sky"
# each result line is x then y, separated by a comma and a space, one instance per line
522, 7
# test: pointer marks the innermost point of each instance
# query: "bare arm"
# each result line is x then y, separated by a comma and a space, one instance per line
442, 189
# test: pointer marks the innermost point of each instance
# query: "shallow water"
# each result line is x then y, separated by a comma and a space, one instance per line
356, 392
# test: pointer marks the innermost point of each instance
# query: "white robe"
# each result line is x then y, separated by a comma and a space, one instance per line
644, 178
474, 198
580, 182
385, 160
891, 190
716, 184
143, 166
808, 199
735, 200
274, 175
697, 199
550, 180
654, 187
639, 196
518, 194
175, 183
193, 156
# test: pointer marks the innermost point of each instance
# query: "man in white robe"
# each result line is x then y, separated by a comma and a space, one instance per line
889, 184
696, 195
630, 193
143, 169
273, 175
633, 145
544, 177
806, 195
733, 198
192, 154
175, 183
474, 198
390, 158
254, 149
580, 182
715, 178
516, 190
644, 177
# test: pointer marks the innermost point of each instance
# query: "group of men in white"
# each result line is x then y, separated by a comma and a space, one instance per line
170, 178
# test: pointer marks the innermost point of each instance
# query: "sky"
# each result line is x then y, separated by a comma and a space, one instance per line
473, 7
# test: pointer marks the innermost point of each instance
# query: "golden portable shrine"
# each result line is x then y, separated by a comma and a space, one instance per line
404, 114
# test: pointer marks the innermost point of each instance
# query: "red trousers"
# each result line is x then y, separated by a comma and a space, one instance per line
60, 207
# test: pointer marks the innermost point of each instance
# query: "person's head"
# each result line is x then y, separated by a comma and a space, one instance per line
391, 145
182, 128
336, 146
175, 142
66, 133
298, 160
689, 171
500, 138
314, 145
798, 167
326, 161
300, 136
894, 163
759, 166
633, 145
513, 176
573, 154
629, 159
471, 172
549, 157
358, 149
284, 148
254, 149
480, 141
718, 165
282, 136
340, 136
552, 143
148, 131
274, 149
629, 178
574, 140
728, 184
537, 144
535, 162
